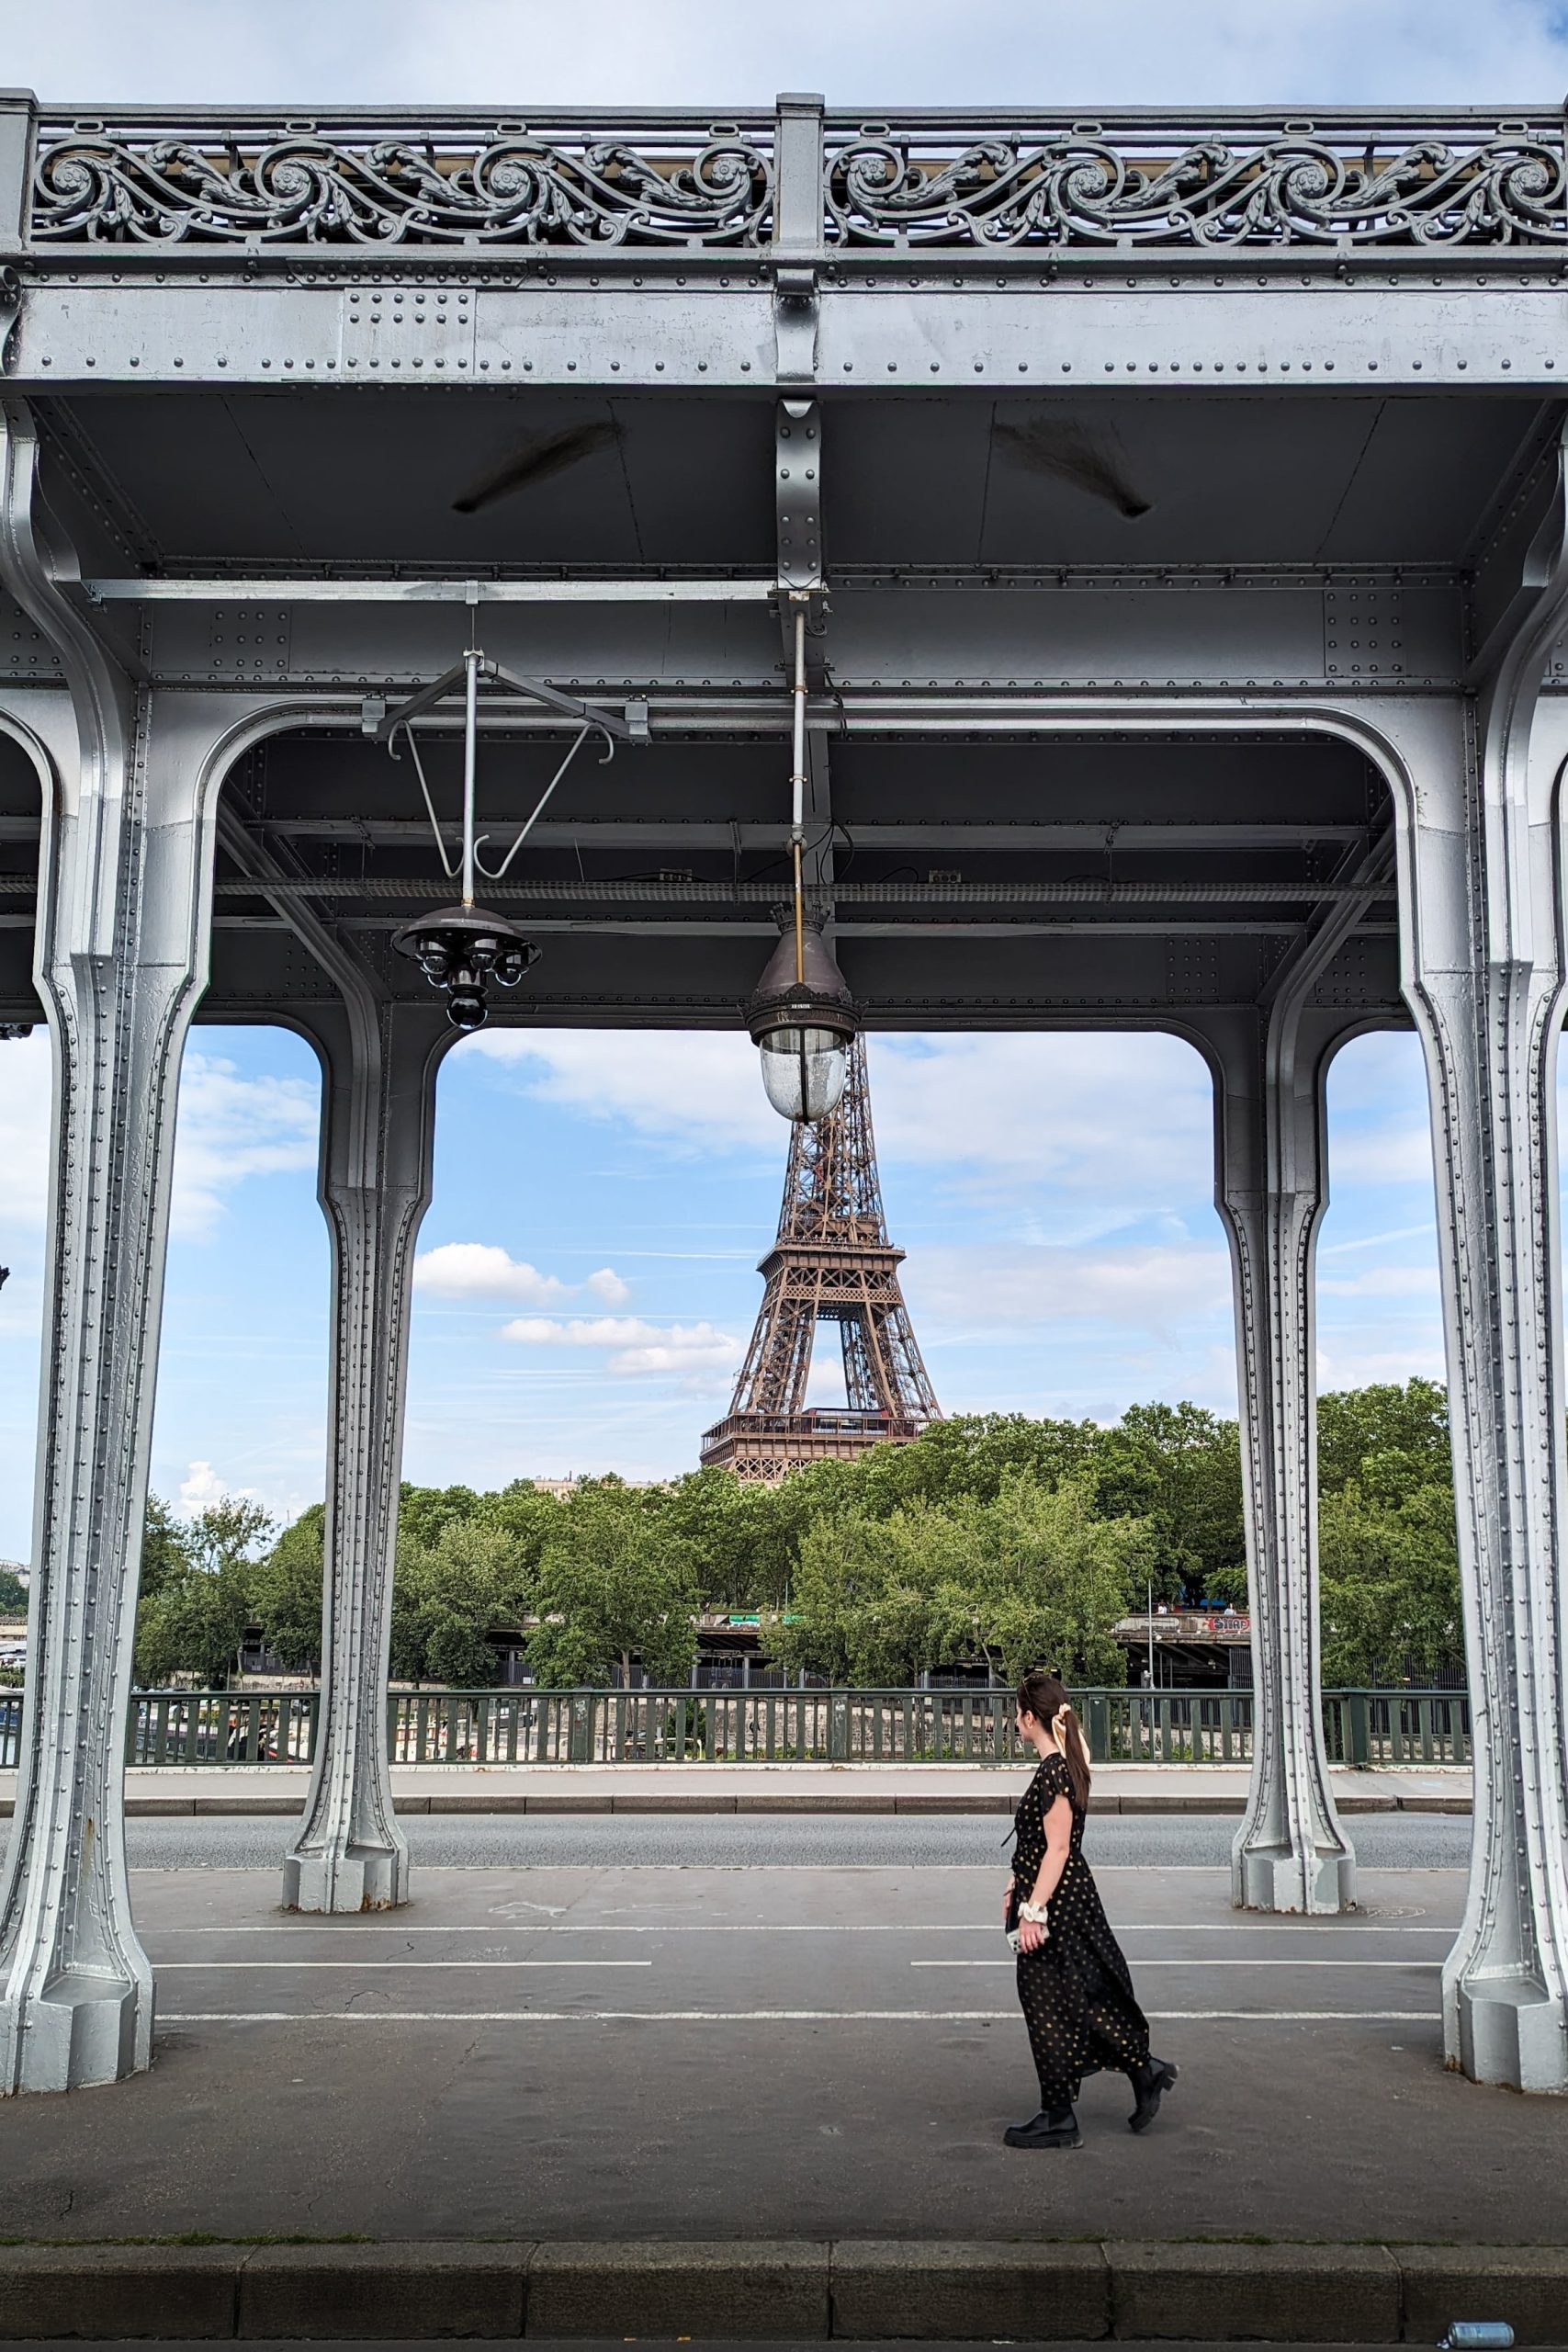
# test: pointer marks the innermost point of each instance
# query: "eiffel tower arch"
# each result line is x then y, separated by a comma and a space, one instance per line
832, 1262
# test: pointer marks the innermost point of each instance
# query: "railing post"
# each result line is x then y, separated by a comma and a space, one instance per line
797, 173
838, 1727
1098, 1726
1358, 1743
18, 131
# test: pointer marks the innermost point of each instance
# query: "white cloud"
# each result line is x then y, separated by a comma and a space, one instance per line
204, 1488
227, 1129
694, 1090
230, 1128
607, 1284
479, 1269
482, 1269
1119, 1124
634, 1346
1152, 1288
870, 54
1352, 1367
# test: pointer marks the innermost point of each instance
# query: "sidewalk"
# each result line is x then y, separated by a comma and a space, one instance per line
271, 1789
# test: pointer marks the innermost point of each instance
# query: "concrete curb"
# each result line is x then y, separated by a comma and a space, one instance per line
684, 1800
855, 2289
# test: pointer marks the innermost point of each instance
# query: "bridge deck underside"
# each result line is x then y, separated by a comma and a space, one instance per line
987, 557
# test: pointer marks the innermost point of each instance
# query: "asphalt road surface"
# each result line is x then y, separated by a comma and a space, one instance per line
744, 2025
731, 2026
742, 1841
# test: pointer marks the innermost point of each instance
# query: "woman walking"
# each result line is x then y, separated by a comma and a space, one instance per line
1072, 1984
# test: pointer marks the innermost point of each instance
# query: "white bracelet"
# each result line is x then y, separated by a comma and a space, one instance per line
1035, 1911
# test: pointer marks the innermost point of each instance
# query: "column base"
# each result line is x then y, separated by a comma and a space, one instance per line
83, 2030
346, 1878
1507, 2031
1316, 1878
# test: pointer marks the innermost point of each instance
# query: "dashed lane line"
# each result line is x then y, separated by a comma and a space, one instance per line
764, 2017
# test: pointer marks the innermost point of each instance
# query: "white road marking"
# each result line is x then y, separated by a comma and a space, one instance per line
764, 2017
1145, 1963
215, 1967
303, 1925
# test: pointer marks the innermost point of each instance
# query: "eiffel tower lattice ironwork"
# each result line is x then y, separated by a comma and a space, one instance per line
832, 1262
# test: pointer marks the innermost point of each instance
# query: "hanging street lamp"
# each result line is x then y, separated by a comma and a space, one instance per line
801, 1015
462, 949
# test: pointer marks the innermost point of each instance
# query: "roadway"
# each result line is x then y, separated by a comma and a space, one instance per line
804, 1841
718, 2028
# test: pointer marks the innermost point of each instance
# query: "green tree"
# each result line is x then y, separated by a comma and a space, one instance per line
1034, 1576
1410, 1424
882, 1600
1055, 1578
615, 1584
12, 1594
735, 1533
285, 1592
1178, 1468
1389, 1584
195, 1618
448, 1595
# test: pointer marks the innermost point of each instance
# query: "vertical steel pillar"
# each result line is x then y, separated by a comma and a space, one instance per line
120, 959
1291, 1852
1483, 916
379, 1065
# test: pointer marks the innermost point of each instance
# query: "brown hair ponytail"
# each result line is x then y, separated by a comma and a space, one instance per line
1045, 1697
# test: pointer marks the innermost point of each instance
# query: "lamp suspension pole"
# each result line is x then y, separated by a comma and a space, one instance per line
471, 751
797, 787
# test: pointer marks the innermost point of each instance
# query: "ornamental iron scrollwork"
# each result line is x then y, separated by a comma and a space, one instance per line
91, 187
1506, 187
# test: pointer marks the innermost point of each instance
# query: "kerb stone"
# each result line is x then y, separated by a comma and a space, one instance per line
757, 2287
383, 2290
888, 2287
1284, 2294
118, 2290
1526, 2285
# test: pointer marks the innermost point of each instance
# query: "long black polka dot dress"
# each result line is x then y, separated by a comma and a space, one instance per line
1075, 1990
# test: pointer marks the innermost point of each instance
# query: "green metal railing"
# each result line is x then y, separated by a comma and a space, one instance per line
1362, 1728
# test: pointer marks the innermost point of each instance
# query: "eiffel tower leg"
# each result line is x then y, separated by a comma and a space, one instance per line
1290, 1853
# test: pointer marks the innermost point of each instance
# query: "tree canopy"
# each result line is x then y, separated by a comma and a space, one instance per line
993, 1536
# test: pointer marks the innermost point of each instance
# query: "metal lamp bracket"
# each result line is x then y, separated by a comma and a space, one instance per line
382, 722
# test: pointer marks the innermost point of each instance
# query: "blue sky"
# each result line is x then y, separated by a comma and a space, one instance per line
601, 1200
587, 1275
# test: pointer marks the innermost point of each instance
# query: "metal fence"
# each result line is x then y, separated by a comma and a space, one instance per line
1362, 1728
1226, 183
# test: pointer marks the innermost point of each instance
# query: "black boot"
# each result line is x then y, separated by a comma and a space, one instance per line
1053, 2127
1150, 2081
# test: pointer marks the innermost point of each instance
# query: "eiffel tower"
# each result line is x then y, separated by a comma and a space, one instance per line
832, 1262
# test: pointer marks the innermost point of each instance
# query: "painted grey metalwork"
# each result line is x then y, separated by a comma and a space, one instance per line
121, 960
379, 1070
1292, 1852
1483, 888
1146, 182
1168, 497
921, 183
267, 184
190, 1730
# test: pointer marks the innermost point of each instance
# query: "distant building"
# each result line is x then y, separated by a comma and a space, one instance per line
1194, 1649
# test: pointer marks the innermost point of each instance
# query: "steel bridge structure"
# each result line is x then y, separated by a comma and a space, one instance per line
1176, 506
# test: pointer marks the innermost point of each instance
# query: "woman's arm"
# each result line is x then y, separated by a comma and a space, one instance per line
1059, 1843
